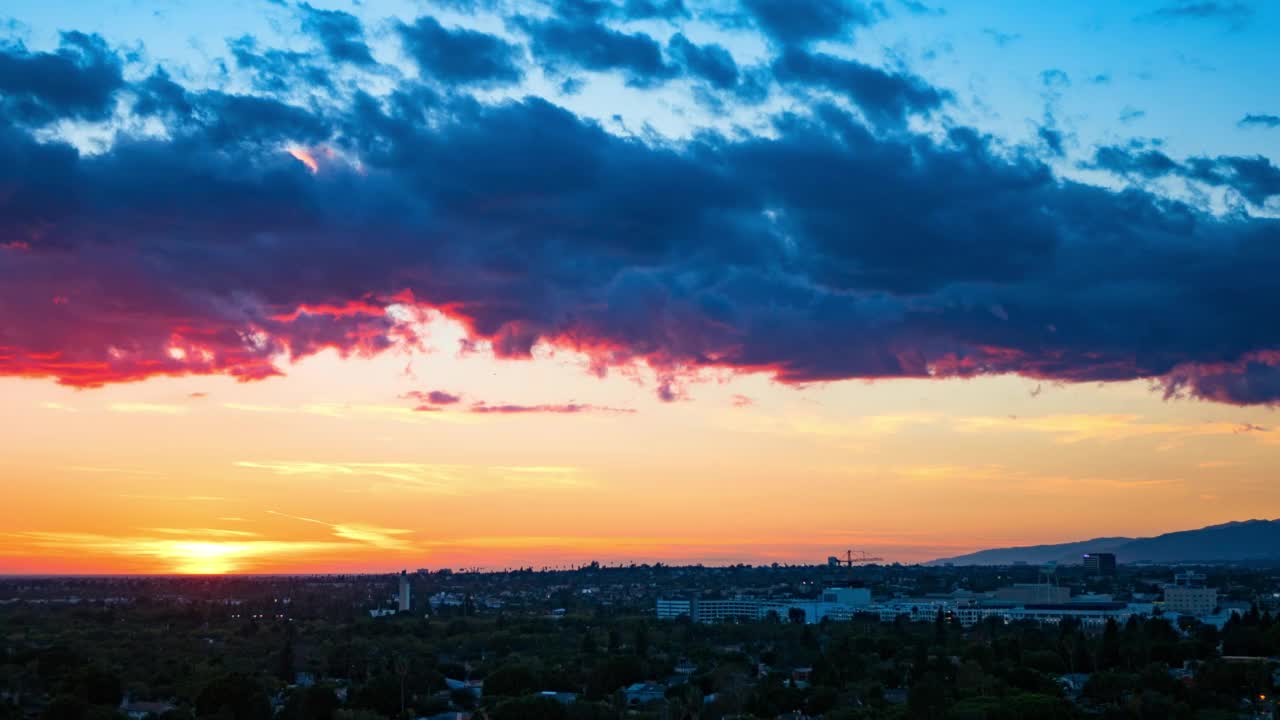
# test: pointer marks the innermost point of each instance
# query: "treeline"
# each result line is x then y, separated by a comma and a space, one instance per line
61, 664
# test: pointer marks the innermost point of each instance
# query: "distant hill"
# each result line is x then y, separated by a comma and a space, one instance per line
1230, 542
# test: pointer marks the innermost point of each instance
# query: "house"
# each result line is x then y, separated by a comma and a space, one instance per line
564, 698
475, 687
1073, 684
644, 693
895, 696
141, 710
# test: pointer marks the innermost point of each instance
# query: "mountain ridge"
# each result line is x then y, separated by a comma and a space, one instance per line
1234, 541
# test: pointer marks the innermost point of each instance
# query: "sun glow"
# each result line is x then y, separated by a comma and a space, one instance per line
205, 558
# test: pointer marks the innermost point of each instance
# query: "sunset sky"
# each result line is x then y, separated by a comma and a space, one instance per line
362, 286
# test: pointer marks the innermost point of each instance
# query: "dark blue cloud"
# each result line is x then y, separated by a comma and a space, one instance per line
1255, 178
886, 98
1055, 78
339, 33
620, 9
582, 42
1260, 120
1053, 140
460, 56
1144, 162
1002, 39
78, 80
1235, 12
665, 9
278, 71
919, 8
158, 94
802, 21
712, 63
823, 249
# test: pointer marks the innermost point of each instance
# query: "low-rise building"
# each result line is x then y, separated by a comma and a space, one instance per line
644, 693
1033, 593
1187, 595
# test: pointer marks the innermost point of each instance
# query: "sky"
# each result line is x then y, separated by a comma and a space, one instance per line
362, 286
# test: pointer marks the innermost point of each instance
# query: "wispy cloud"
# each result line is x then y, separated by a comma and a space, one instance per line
58, 406
432, 478
1002, 39
1074, 428
1217, 464
350, 410
108, 470
805, 424
379, 537
174, 498
417, 476
1260, 120
994, 476
562, 409
436, 401
147, 408
433, 397
203, 532
1235, 13
536, 476
246, 407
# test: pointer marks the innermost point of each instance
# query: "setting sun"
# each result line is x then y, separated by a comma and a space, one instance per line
205, 558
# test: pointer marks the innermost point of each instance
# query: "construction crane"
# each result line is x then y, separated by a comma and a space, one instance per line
853, 557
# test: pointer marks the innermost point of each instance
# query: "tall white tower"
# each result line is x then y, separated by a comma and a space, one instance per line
404, 591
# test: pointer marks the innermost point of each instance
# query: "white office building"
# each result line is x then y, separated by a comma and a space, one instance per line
844, 603
1189, 596
834, 603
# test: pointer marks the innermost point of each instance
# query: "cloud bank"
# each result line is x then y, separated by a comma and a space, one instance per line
262, 225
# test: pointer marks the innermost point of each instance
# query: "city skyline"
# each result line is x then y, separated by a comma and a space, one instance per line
354, 287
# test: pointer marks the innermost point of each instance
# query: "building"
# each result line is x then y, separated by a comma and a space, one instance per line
1033, 593
855, 597
1100, 563
1092, 616
1189, 596
1092, 612
672, 609
143, 710
839, 603
644, 693
405, 599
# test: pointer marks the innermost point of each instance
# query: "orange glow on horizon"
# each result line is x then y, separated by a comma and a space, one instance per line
329, 468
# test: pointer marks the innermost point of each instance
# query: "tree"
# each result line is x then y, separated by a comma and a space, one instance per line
313, 703
1109, 646
511, 681
101, 687
642, 639
234, 696
66, 707
530, 708
285, 659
